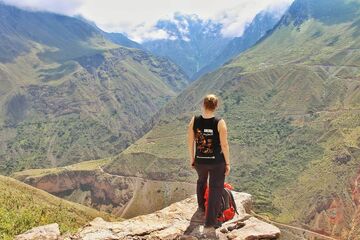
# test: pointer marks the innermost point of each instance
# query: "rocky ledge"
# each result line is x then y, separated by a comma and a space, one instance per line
180, 221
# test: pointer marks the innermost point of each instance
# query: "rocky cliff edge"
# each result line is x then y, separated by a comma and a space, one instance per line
179, 221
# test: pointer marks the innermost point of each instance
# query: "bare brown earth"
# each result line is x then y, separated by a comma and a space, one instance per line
123, 196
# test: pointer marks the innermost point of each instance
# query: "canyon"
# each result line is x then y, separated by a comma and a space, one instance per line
120, 196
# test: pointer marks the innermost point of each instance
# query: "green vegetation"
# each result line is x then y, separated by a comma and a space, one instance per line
68, 95
292, 107
59, 143
23, 207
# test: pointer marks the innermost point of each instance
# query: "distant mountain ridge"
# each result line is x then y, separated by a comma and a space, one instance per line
192, 42
199, 46
261, 24
122, 40
17, 33
115, 37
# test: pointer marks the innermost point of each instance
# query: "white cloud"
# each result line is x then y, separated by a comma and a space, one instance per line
137, 18
147, 32
235, 19
67, 7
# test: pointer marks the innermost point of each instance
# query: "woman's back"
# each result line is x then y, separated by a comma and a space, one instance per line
208, 148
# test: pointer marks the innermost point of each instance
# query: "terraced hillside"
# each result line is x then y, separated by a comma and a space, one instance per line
67, 94
23, 207
292, 106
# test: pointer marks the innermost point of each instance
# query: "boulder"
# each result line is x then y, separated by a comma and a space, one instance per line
47, 232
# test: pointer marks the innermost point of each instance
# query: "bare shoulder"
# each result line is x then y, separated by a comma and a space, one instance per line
221, 125
191, 121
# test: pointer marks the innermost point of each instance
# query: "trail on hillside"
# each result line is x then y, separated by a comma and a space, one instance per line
133, 197
141, 178
315, 234
50, 154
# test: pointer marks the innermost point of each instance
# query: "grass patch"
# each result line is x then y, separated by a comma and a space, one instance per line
23, 207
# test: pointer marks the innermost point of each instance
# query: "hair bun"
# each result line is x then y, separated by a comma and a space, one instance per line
211, 102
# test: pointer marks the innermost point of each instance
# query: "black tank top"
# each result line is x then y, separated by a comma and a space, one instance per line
208, 148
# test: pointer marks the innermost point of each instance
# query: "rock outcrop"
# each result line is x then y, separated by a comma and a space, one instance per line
47, 232
181, 221
121, 196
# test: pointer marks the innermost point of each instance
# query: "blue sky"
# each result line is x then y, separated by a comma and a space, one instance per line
136, 18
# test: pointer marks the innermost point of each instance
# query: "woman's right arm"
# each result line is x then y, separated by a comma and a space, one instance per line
224, 144
191, 142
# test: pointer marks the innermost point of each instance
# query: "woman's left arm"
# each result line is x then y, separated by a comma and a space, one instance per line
191, 141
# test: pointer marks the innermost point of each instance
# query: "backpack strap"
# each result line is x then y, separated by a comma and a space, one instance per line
233, 201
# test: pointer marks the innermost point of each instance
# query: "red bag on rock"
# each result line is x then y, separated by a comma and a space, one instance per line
228, 205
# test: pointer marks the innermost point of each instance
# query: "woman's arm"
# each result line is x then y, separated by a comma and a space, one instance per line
191, 141
224, 144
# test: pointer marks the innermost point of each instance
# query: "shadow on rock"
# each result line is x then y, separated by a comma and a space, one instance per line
196, 229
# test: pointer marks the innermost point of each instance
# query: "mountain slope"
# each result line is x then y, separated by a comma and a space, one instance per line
192, 44
23, 207
117, 38
120, 39
18, 32
292, 104
68, 95
261, 24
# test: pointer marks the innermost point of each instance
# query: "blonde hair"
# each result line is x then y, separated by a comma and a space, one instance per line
211, 102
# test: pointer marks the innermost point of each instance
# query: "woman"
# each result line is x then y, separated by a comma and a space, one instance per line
210, 157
